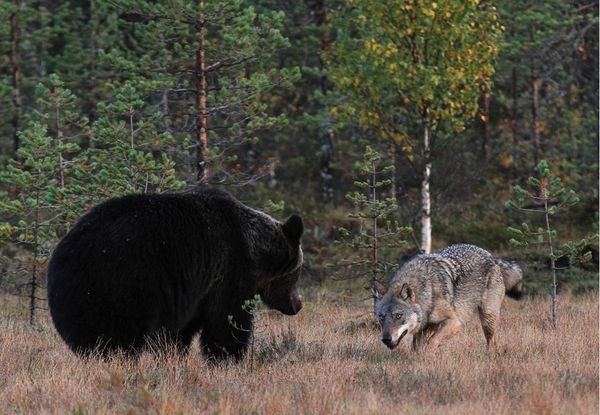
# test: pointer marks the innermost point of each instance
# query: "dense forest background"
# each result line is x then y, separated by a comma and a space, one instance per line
286, 105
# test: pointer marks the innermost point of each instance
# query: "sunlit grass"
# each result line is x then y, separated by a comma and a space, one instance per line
326, 360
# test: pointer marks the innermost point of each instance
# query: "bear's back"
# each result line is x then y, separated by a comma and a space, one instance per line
138, 220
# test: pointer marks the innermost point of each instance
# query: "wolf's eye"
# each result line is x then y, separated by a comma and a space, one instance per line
396, 316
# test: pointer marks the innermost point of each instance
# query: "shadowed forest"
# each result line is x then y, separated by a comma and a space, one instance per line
392, 128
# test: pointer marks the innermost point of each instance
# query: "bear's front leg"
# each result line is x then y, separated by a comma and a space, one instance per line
227, 338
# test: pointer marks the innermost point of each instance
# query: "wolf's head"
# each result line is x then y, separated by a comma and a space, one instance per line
396, 311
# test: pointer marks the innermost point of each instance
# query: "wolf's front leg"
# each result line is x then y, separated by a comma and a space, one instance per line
445, 329
421, 338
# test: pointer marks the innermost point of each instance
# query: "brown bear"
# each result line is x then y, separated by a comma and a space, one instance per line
169, 266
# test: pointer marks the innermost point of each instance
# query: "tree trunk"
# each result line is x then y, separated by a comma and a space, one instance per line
554, 310
326, 41
16, 76
201, 133
425, 194
395, 162
326, 136
59, 135
326, 133
375, 248
94, 21
535, 131
485, 118
535, 86
514, 123
33, 282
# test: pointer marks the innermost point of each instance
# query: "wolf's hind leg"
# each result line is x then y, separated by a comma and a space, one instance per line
489, 315
489, 322
489, 310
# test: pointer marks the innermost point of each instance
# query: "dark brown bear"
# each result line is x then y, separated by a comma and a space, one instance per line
168, 266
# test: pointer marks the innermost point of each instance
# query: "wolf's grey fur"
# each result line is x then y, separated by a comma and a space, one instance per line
432, 295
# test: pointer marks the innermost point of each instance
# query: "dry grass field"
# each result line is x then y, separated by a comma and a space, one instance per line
326, 360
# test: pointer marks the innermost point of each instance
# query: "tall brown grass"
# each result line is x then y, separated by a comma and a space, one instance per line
326, 360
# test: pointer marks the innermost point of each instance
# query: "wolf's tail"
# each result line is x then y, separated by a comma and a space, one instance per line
512, 274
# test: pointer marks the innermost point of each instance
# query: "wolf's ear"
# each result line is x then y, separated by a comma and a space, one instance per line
407, 293
293, 228
378, 290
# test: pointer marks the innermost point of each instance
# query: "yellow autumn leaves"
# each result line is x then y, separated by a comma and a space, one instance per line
385, 51
401, 56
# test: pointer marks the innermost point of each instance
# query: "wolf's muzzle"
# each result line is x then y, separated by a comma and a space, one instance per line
391, 344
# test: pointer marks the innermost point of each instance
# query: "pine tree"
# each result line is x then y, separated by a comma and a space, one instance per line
45, 197
544, 195
209, 67
374, 211
127, 154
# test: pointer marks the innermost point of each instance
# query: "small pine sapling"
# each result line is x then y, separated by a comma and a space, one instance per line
544, 195
378, 231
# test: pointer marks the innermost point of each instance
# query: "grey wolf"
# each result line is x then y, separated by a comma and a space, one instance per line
171, 266
432, 295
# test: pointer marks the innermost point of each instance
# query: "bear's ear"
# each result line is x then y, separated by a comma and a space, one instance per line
293, 228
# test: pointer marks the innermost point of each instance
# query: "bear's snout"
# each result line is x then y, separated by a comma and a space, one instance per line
296, 304
291, 309
289, 304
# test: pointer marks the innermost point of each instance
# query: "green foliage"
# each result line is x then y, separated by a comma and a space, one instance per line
552, 41
251, 306
39, 194
127, 153
579, 252
238, 49
23, 52
65, 39
92, 76
41, 177
274, 207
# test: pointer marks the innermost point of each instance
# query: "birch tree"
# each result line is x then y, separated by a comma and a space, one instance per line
411, 68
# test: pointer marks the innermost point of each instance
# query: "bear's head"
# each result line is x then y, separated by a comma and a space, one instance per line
280, 269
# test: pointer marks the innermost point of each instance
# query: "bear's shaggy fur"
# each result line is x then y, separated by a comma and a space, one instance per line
167, 266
